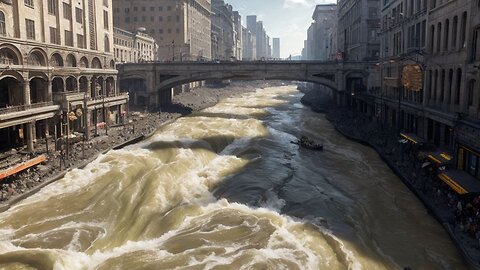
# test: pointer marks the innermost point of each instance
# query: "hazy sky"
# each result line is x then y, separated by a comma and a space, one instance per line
286, 19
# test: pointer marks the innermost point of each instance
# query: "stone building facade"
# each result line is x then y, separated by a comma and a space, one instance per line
430, 89
358, 26
133, 47
57, 69
181, 28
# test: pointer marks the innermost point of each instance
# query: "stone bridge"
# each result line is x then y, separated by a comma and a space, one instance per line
153, 82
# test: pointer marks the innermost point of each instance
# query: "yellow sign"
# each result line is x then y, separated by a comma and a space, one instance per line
412, 77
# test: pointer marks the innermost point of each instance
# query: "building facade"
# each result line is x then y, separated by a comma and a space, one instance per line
249, 45
181, 28
358, 27
276, 48
430, 90
58, 71
223, 29
133, 47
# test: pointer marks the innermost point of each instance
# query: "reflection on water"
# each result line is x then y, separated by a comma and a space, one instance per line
225, 189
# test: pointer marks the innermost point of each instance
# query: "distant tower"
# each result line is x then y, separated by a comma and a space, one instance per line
276, 48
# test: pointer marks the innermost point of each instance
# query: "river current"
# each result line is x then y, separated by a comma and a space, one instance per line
225, 189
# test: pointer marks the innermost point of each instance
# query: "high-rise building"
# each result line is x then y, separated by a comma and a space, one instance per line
182, 29
57, 70
276, 48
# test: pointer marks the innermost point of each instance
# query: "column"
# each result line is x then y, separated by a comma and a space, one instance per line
29, 133
49, 91
89, 87
26, 93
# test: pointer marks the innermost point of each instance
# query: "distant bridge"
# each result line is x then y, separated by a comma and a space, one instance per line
153, 81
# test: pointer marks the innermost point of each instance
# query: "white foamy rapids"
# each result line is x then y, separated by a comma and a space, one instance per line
286, 243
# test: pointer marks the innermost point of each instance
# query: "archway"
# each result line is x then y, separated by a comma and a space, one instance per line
110, 84
70, 61
38, 90
137, 90
96, 63
83, 87
37, 58
11, 93
9, 56
56, 60
112, 64
58, 85
71, 84
83, 63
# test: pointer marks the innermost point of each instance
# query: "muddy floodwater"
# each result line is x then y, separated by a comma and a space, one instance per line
226, 189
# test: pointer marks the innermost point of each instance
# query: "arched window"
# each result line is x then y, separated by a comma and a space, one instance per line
454, 32
463, 30
458, 85
432, 38
471, 91
446, 37
107, 44
439, 37
3, 27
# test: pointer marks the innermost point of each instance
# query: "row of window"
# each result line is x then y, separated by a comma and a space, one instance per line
160, 8
152, 19
67, 12
444, 36
441, 84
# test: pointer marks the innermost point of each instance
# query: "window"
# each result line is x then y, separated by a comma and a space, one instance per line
446, 35
152, 8
135, 19
439, 37
54, 36
107, 44
52, 6
458, 86
178, 18
471, 92
80, 41
160, 8
454, 32
143, 18
127, 19
160, 31
30, 27
135, 8
144, 9
169, 31
169, 18
463, 30
152, 18
169, 8
29, 3
105, 19
67, 11
127, 10
160, 19
3, 28
68, 38
476, 45
79, 15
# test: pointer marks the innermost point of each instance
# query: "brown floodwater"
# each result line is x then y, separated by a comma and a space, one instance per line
226, 189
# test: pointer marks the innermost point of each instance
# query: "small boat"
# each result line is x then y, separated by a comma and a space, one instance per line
308, 143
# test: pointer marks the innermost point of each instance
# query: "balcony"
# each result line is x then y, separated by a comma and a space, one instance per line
108, 101
21, 114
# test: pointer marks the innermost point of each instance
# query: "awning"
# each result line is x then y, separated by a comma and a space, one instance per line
412, 138
460, 181
439, 158
20, 167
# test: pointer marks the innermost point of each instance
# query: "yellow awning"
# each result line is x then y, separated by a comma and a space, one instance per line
454, 185
408, 137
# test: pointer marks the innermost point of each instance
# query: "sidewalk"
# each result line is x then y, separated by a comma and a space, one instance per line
441, 202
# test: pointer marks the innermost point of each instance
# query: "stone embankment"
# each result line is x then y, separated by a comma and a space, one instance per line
441, 202
139, 125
